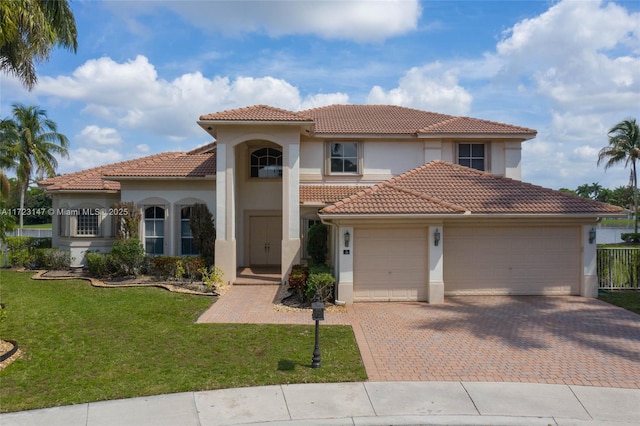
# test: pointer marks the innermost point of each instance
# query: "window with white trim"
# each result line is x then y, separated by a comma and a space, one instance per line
154, 230
187, 247
472, 155
344, 157
87, 224
266, 163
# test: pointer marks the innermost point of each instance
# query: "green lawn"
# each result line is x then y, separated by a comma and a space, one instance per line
628, 299
86, 344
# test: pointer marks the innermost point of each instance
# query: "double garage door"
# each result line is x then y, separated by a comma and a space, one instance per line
392, 264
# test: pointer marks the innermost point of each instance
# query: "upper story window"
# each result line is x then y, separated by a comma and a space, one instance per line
344, 157
472, 155
266, 163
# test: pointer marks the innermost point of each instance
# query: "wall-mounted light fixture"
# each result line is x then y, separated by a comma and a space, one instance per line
436, 237
347, 238
592, 235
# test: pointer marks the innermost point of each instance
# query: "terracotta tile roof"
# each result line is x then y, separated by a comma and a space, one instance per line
255, 113
327, 194
182, 165
440, 187
391, 119
166, 164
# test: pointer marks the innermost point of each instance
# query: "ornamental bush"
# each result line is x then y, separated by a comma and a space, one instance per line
127, 257
320, 284
317, 245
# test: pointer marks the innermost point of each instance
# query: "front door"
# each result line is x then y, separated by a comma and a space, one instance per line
266, 239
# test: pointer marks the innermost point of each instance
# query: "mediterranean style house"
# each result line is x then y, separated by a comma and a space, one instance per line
419, 205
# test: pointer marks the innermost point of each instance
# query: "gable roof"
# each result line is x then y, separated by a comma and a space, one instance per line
371, 119
163, 165
255, 113
444, 188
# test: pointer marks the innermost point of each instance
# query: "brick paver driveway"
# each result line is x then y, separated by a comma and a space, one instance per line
561, 340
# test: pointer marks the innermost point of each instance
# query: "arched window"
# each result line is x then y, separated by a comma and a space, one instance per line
154, 230
266, 163
187, 247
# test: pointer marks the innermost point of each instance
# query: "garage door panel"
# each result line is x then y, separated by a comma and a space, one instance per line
390, 264
512, 260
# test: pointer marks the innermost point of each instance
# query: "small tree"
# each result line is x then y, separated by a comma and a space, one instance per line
128, 218
317, 245
203, 232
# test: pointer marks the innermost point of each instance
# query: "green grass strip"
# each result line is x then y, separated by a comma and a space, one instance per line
85, 344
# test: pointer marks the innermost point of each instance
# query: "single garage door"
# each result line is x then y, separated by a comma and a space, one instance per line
512, 260
390, 264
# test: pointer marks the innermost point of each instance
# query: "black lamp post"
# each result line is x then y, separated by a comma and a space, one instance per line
317, 315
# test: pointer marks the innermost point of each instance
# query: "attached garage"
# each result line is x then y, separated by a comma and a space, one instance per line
533, 260
390, 264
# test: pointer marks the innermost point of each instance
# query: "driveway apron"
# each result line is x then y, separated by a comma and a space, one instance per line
531, 339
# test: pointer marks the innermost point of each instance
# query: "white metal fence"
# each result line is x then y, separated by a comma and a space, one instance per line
37, 233
618, 268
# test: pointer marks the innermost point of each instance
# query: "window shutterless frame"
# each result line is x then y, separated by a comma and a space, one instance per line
343, 158
473, 155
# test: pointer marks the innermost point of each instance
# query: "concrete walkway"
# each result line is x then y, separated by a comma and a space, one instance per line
370, 403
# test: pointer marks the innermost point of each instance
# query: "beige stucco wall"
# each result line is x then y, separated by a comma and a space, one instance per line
171, 195
63, 205
386, 157
237, 194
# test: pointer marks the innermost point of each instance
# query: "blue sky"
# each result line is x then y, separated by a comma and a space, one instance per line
146, 70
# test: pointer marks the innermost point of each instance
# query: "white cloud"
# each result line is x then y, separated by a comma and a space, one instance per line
357, 20
143, 148
92, 135
86, 158
583, 55
131, 95
319, 100
433, 87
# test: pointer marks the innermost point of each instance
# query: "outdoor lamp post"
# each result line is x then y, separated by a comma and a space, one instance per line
317, 315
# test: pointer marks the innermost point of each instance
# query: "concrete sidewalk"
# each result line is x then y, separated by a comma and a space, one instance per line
366, 403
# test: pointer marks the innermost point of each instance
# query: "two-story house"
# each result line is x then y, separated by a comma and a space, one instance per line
420, 205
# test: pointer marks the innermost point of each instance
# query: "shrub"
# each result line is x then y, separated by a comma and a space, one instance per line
211, 276
203, 232
298, 278
127, 257
49, 258
631, 238
25, 258
320, 284
97, 263
317, 246
128, 218
165, 267
29, 243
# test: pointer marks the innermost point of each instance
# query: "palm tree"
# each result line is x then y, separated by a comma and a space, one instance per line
29, 29
624, 145
32, 139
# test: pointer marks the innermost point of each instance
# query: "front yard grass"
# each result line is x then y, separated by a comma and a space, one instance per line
85, 344
627, 299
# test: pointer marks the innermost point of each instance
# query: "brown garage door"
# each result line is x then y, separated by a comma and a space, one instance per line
512, 260
390, 264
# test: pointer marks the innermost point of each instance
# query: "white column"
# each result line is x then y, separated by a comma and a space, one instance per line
345, 265
290, 207
435, 293
225, 213
589, 278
